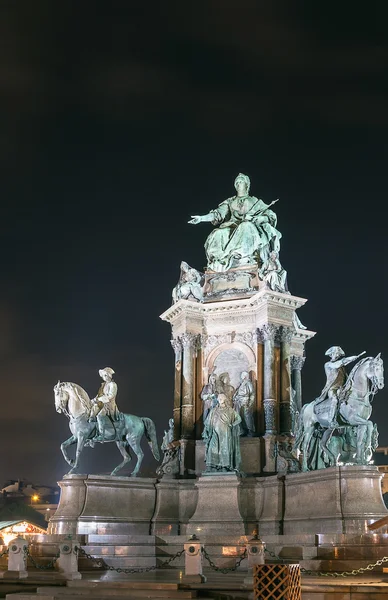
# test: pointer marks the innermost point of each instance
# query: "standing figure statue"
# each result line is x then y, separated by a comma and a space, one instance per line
189, 285
246, 230
208, 395
223, 386
168, 435
336, 376
104, 404
244, 404
222, 438
273, 273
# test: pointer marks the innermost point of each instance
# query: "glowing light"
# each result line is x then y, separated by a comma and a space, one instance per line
35, 498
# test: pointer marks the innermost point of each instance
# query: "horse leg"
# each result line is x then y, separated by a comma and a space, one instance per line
134, 443
308, 432
331, 458
81, 439
69, 442
127, 457
364, 443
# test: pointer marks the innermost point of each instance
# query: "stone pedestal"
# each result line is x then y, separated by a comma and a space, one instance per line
334, 500
104, 505
225, 505
272, 506
251, 449
71, 504
235, 329
176, 500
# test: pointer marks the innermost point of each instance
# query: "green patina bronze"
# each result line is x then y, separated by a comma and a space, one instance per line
245, 230
126, 430
335, 428
222, 437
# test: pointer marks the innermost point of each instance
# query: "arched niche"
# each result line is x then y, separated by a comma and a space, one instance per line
232, 358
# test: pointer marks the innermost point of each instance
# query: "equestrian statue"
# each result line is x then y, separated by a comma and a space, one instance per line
335, 428
99, 420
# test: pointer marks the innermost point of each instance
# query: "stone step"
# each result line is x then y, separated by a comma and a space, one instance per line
370, 553
142, 590
104, 595
338, 565
107, 594
347, 589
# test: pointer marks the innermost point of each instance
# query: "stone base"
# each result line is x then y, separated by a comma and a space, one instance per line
238, 282
334, 500
193, 579
104, 505
12, 575
225, 504
176, 500
251, 448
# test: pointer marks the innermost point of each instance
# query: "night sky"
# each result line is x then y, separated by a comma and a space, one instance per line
118, 121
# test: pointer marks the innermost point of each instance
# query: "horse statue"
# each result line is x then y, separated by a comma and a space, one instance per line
314, 437
72, 400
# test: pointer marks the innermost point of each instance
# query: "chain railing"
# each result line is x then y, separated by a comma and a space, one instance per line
49, 565
224, 569
161, 565
359, 571
351, 573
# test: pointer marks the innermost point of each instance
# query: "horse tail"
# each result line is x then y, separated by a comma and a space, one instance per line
150, 433
300, 430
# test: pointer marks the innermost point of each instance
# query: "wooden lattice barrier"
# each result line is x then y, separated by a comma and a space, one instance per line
276, 582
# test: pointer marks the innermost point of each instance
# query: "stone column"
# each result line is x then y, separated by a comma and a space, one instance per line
285, 418
189, 345
268, 334
177, 347
297, 363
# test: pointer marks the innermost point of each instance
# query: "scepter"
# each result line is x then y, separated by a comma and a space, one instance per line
267, 207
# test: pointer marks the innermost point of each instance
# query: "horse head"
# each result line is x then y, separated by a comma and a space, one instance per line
376, 372
61, 397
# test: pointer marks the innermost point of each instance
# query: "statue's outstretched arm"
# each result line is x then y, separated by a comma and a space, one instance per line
349, 359
195, 219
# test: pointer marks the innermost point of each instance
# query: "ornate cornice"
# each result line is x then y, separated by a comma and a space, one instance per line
213, 308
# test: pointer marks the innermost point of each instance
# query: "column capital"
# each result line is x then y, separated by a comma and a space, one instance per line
269, 331
190, 341
297, 362
176, 345
286, 334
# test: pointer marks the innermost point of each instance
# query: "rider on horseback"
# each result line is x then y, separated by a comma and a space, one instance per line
104, 404
335, 378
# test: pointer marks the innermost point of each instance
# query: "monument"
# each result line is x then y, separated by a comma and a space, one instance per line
244, 325
241, 451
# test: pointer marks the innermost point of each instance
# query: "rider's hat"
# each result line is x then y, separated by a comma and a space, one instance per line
335, 352
107, 370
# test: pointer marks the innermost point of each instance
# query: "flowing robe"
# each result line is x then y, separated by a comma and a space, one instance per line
222, 437
274, 275
243, 402
247, 231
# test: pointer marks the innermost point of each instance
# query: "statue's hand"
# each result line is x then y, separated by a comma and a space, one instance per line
195, 219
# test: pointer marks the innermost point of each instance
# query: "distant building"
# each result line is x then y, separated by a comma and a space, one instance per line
44, 499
